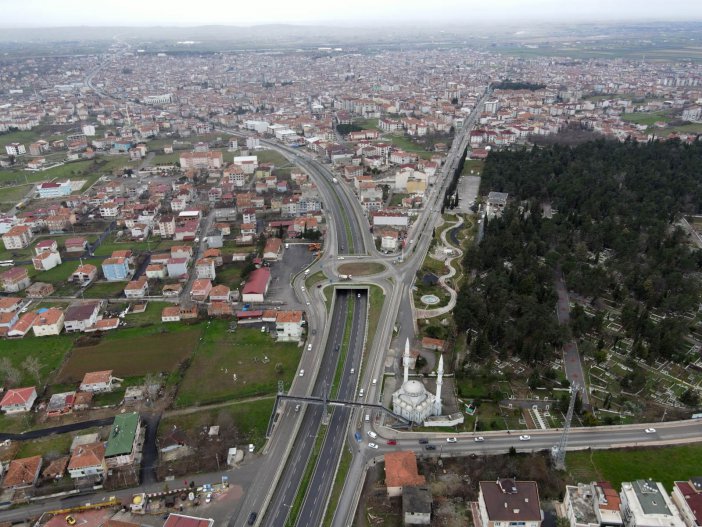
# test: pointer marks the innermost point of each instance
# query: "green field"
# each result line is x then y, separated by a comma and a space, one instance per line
60, 273
165, 159
133, 351
50, 352
104, 290
271, 156
242, 353
361, 268
152, 314
664, 464
406, 144
647, 118
230, 274
10, 196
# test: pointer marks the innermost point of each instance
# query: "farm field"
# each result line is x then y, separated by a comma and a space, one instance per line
133, 351
247, 353
49, 351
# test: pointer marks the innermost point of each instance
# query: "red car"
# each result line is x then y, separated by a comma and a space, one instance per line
392, 442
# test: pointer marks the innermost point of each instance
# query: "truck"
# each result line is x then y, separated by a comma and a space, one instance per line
345, 277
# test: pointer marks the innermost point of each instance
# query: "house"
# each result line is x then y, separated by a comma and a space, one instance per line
81, 315
76, 245
54, 189
687, 496
219, 293
401, 471
645, 503
22, 473
181, 520
170, 314
256, 286
18, 237
49, 322
88, 460
115, 269
137, 288
289, 326
84, 274
55, 469
592, 505
173, 445
9, 304
272, 249
171, 290
60, 404
431, 344
509, 502
83, 401
23, 325
205, 268
15, 279
201, 289
98, 381
46, 260
125, 440
17, 400
177, 267
220, 309
155, 271
45, 246
416, 505
39, 290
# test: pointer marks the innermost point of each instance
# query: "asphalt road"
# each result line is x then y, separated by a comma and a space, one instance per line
297, 460
43, 432
314, 505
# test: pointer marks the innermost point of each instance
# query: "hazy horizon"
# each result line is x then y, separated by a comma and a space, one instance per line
160, 13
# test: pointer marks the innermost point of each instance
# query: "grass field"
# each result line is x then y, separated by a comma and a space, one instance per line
647, 118
664, 464
406, 144
165, 159
250, 418
242, 353
376, 299
104, 290
361, 268
476, 165
133, 351
49, 350
10, 196
152, 314
60, 273
271, 156
230, 274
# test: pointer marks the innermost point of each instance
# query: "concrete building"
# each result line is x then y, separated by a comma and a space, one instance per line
416, 505
49, 322
256, 286
645, 503
81, 315
115, 269
289, 326
18, 237
507, 502
125, 441
592, 505
687, 496
401, 471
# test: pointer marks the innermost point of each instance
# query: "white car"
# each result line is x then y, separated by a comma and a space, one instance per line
372, 445
524, 438
650, 430
339, 257
208, 498
451, 440
302, 288
479, 439
302, 373
372, 434
251, 447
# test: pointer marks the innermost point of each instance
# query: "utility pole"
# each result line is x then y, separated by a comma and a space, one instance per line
558, 451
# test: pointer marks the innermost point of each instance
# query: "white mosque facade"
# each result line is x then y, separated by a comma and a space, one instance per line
412, 401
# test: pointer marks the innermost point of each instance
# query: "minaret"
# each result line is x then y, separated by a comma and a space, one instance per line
406, 360
439, 383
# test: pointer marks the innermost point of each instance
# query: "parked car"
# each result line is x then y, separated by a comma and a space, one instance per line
524, 438
392, 442
372, 445
372, 434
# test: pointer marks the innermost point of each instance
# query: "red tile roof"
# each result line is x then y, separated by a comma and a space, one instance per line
401, 470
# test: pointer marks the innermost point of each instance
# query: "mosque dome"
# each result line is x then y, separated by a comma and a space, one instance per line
414, 388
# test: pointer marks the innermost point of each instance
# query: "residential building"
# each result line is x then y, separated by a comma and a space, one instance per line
23, 325
81, 315
76, 245
39, 290
15, 149
205, 268
289, 326
22, 473
592, 505
49, 322
45, 246
507, 502
155, 271
416, 505
9, 304
401, 471
137, 288
125, 440
177, 267
201, 160
687, 496
201, 289
88, 461
46, 260
167, 226
115, 269
18, 400
18, 237
219, 293
256, 286
170, 314
272, 249
53, 189
98, 381
15, 279
84, 274
60, 404
646, 503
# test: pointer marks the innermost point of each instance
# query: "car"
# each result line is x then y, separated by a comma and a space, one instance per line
361, 392
307, 303
367, 418
359, 295
339, 257
650, 430
479, 439
375, 381
336, 348
358, 436
524, 438
252, 518
309, 347
372, 434
302, 373
423, 441
353, 370
430, 447
372, 445
392, 442
251, 447
208, 498
297, 407
302, 288
451, 440
263, 329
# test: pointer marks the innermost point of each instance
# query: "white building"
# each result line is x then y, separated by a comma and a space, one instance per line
49, 322
592, 505
412, 401
15, 149
645, 503
54, 190
288, 326
509, 503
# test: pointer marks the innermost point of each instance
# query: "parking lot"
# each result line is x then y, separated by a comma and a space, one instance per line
294, 259
468, 187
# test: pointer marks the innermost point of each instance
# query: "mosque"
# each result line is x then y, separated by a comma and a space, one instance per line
412, 401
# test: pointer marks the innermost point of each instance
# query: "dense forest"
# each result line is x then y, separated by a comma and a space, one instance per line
613, 234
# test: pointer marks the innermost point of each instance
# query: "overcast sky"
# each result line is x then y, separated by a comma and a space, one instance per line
43, 13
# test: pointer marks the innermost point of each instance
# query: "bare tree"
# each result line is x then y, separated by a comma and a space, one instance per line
152, 384
32, 365
9, 373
